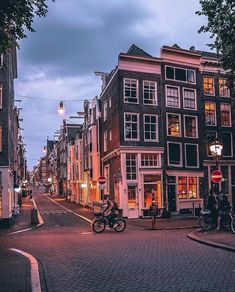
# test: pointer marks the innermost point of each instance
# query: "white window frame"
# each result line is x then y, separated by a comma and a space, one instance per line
155, 101
1, 93
180, 128
195, 96
107, 176
105, 141
188, 176
186, 69
136, 167
150, 156
137, 90
110, 101
178, 89
151, 140
168, 154
105, 110
138, 127
215, 114
110, 135
226, 96
185, 126
205, 76
185, 152
231, 135
230, 116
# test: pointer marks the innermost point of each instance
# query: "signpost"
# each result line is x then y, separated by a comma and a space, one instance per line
102, 181
216, 176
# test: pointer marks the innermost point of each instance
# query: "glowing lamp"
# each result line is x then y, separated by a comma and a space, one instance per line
61, 109
216, 148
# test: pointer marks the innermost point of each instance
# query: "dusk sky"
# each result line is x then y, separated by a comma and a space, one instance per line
78, 37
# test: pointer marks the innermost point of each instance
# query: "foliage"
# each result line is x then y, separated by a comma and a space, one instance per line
221, 25
16, 16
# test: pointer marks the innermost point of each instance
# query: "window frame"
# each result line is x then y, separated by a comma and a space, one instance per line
155, 93
105, 141
181, 69
179, 101
137, 90
168, 154
230, 115
231, 142
213, 83
180, 130
187, 187
208, 125
138, 126
196, 137
150, 157
185, 155
105, 110
131, 167
195, 98
157, 138
226, 96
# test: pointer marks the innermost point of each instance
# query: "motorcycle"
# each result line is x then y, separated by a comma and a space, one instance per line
208, 221
100, 222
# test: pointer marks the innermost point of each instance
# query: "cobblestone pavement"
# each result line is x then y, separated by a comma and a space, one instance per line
75, 259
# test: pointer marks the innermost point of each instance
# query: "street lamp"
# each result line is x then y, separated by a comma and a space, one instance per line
216, 149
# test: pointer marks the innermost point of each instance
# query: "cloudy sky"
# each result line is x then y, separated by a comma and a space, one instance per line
79, 37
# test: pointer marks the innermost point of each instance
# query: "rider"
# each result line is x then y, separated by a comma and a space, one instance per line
108, 211
223, 206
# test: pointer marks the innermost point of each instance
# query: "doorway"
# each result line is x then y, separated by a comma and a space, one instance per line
132, 202
171, 198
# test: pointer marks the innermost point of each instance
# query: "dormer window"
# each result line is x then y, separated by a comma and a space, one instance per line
179, 74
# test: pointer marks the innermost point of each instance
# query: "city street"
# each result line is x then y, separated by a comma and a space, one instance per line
72, 258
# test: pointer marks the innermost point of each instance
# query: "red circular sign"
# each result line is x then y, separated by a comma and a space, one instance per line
102, 180
216, 176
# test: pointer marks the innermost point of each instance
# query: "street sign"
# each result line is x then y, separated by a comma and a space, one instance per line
216, 176
102, 180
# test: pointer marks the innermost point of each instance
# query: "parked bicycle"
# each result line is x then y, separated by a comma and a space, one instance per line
208, 221
100, 222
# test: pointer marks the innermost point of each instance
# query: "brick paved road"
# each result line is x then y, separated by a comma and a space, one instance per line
75, 259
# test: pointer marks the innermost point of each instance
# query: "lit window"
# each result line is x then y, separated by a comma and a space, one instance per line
172, 96
149, 159
189, 96
173, 125
208, 85
210, 113
105, 110
131, 126
110, 135
131, 167
150, 92
105, 141
130, 91
150, 128
179, 74
190, 126
182, 187
223, 88
225, 114
110, 101
187, 187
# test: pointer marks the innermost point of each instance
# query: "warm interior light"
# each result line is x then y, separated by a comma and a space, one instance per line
83, 185
61, 109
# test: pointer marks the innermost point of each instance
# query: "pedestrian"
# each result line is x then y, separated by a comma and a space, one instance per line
153, 212
211, 205
31, 194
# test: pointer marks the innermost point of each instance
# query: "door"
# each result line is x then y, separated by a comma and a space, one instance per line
132, 202
171, 198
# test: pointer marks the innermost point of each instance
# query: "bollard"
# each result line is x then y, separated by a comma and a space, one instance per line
34, 216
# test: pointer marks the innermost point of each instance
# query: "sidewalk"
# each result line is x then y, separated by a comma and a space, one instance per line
220, 239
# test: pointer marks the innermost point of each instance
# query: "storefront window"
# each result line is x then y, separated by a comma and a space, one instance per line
182, 187
152, 190
192, 187
132, 197
187, 187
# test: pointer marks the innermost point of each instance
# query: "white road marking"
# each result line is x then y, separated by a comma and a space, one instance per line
35, 279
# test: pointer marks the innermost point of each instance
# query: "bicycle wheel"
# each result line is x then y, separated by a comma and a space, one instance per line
233, 224
204, 223
98, 226
119, 225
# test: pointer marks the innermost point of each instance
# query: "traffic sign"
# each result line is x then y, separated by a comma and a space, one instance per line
216, 176
102, 180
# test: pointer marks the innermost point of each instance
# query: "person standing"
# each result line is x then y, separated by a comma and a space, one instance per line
211, 205
153, 212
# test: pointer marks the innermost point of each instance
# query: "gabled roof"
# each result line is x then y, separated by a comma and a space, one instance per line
73, 131
210, 55
136, 51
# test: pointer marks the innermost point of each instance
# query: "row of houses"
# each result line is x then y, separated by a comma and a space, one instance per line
148, 133
13, 169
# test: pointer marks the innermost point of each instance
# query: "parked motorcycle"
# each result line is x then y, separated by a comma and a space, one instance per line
100, 222
208, 221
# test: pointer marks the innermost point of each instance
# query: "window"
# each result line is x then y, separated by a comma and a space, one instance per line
185, 75
225, 114
190, 126
227, 141
208, 85
131, 197
0, 138
173, 125
105, 110
131, 167
223, 88
105, 141
191, 155
1, 60
150, 127
131, 126
110, 101
0, 95
210, 113
187, 187
189, 96
150, 92
130, 91
210, 137
149, 160
110, 135
172, 96
174, 154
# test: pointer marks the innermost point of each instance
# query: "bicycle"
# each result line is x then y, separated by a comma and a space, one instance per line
100, 222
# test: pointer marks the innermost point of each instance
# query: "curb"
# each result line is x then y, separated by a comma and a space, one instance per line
197, 238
